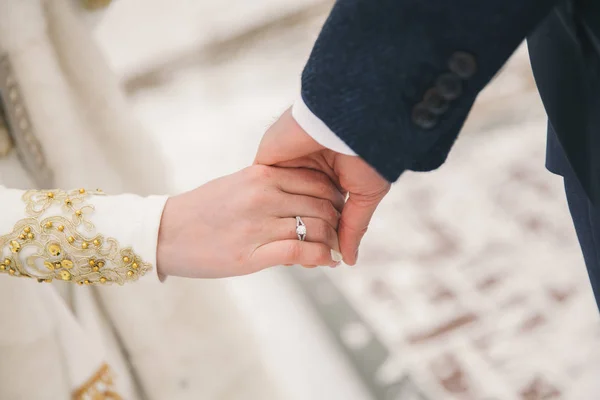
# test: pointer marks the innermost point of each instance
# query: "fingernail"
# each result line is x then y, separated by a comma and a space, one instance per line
336, 256
336, 265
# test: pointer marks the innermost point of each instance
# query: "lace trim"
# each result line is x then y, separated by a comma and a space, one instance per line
99, 387
54, 247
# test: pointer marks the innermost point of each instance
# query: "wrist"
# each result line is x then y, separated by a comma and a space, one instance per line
314, 127
164, 247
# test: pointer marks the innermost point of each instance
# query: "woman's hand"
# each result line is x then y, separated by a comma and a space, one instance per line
245, 222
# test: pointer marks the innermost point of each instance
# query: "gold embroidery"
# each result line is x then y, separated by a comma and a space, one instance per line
99, 387
53, 247
73, 202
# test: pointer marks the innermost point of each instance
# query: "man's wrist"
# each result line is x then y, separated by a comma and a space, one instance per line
317, 129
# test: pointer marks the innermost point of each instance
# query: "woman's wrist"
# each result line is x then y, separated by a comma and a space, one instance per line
164, 251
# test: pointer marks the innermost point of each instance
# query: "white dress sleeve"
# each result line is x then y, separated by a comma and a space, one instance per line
317, 129
80, 236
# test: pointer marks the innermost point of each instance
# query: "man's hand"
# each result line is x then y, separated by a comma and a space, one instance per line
286, 144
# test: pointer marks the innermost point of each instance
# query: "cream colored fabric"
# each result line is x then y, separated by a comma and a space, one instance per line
123, 221
61, 333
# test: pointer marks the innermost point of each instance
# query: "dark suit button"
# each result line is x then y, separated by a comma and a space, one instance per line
423, 117
463, 64
434, 101
449, 86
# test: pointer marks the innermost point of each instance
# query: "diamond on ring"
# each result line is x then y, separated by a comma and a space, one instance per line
300, 229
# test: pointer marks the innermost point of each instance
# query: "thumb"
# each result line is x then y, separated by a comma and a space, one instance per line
354, 222
285, 140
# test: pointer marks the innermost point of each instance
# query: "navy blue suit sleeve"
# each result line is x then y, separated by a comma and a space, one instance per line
395, 79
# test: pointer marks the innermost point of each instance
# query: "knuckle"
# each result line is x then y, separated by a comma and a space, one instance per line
324, 207
332, 235
261, 172
241, 258
325, 232
324, 189
381, 192
361, 230
319, 255
321, 231
323, 256
329, 212
321, 182
294, 251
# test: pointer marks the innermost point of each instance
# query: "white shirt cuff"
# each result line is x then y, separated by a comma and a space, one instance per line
317, 129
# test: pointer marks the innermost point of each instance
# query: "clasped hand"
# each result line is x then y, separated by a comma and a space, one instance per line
246, 222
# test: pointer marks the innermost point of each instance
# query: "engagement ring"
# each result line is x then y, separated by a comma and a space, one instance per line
300, 229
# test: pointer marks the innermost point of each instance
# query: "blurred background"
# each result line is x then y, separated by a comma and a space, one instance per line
470, 284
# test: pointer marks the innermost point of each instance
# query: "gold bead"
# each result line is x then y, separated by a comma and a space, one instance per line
65, 275
55, 249
103, 280
49, 280
80, 283
68, 264
71, 239
126, 259
57, 265
130, 273
11, 271
30, 236
81, 191
27, 230
101, 264
40, 280
49, 265
49, 224
61, 228
50, 195
134, 266
78, 213
68, 201
87, 282
15, 247
22, 236
7, 261
84, 245
92, 262
2, 267
96, 242
95, 268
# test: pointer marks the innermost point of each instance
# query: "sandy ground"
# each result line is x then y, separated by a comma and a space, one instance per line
485, 241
